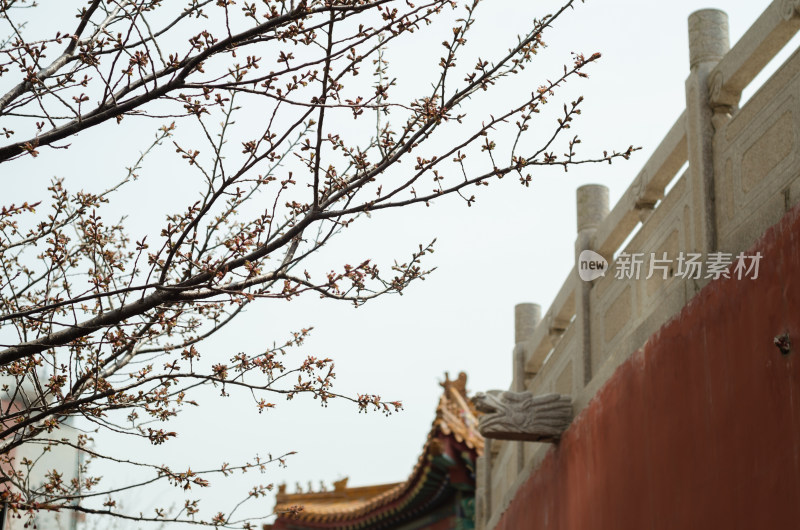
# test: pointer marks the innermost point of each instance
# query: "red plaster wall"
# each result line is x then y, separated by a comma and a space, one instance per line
698, 430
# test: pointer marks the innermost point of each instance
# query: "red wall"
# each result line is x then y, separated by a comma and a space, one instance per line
698, 430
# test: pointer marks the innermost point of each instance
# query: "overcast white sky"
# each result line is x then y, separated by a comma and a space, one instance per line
515, 245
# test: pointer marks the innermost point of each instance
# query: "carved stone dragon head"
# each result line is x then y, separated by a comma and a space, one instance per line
522, 416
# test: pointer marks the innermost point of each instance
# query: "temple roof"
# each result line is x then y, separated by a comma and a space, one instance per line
446, 463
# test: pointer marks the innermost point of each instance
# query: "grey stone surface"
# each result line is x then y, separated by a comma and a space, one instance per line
523, 416
708, 36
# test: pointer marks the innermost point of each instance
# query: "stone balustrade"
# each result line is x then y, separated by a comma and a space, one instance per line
743, 174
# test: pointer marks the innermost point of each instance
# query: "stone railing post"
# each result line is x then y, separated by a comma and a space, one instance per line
526, 318
708, 43
592, 209
483, 485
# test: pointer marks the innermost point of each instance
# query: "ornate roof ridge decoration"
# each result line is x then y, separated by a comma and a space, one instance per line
338, 493
453, 441
456, 413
